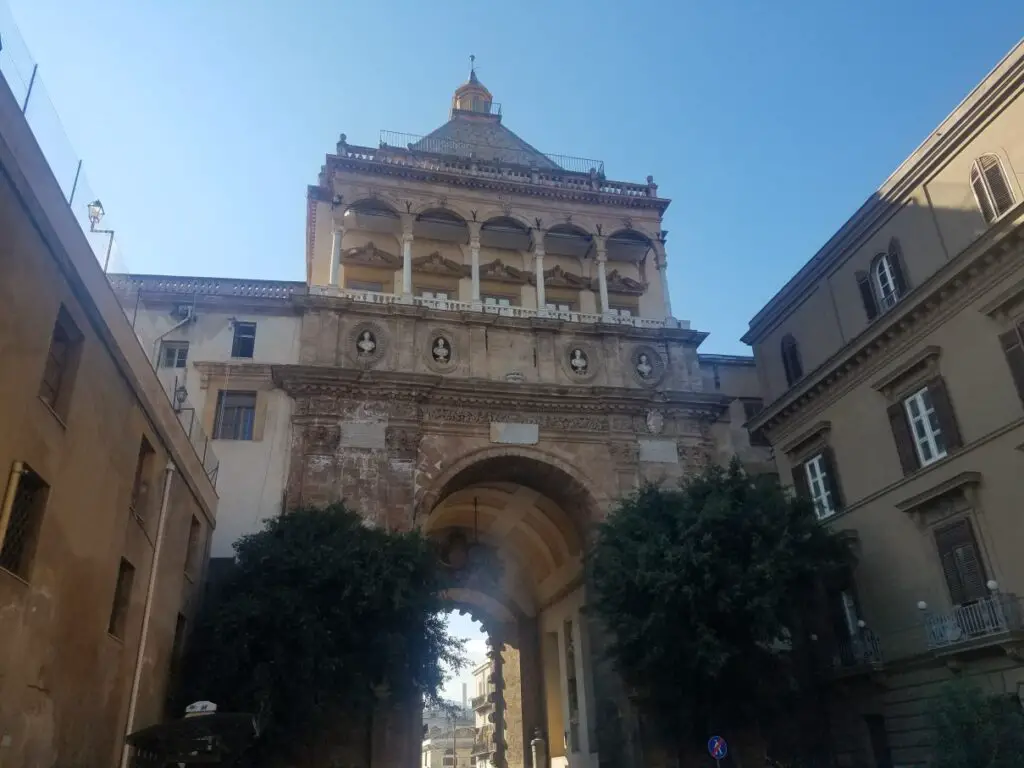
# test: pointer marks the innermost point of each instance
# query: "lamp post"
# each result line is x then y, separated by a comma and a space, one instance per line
96, 212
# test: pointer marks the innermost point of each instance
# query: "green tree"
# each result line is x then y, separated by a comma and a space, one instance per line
318, 617
702, 589
973, 730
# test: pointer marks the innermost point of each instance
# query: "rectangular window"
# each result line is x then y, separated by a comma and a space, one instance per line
195, 530
439, 295
1013, 347
750, 409
850, 617
236, 415
244, 342
819, 486
122, 599
925, 429
364, 285
61, 358
497, 301
19, 531
620, 311
173, 354
140, 483
961, 562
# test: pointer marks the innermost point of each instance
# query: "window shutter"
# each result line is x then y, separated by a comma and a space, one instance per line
896, 266
961, 562
867, 295
944, 413
1002, 197
1014, 351
981, 193
832, 477
903, 438
800, 481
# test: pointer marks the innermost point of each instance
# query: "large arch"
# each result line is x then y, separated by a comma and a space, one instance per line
512, 524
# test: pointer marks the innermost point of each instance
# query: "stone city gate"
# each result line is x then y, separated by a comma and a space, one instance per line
508, 480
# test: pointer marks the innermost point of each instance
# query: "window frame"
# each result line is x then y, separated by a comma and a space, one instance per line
930, 436
59, 370
792, 362
241, 336
29, 517
238, 430
819, 487
121, 602
176, 347
947, 544
987, 201
883, 269
139, 499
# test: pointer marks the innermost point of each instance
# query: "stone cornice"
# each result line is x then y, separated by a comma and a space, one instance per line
985, 263
981, 106
351, 306
573, 193
429, 389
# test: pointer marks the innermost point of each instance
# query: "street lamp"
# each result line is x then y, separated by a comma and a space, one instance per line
96, 213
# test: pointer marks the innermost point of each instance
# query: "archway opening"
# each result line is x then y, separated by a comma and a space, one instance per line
511, 529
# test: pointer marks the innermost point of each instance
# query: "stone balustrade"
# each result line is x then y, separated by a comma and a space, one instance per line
452, 305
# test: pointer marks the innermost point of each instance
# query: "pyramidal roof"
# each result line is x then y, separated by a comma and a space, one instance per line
475, 129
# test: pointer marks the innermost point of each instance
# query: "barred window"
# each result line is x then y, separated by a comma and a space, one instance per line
122, 598
19, 531
61, 358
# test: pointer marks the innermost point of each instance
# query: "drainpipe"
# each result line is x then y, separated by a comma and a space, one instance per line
148, 611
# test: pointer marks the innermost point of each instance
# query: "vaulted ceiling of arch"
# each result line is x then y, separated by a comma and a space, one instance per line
535, 539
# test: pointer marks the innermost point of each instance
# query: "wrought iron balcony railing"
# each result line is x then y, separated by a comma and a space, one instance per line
988, 618
451, 305
481, 701
860, 650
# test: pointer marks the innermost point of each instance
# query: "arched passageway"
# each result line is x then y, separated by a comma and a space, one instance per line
512, 530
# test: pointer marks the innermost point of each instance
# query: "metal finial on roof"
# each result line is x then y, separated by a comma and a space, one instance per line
472, 68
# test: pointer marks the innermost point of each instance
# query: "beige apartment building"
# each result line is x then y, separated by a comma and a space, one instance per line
107, 506
893, 370
484, 348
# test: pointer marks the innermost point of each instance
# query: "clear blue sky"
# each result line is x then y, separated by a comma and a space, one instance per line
202, 121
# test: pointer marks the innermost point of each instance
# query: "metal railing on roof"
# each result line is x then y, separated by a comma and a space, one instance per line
21, 73
485, 152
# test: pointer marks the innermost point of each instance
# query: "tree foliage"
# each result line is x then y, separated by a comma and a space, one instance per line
973, 730
702, 588
320, 615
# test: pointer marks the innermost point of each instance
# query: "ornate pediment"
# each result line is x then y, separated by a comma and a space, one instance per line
502, 273
371, 256
619, 284
436, 264
556, 277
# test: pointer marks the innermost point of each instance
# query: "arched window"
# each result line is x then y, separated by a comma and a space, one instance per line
885, 282
791, 360
991, 188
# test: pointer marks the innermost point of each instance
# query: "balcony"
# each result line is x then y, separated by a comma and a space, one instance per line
987, 621
481, 702
483, 744
857, 654
452, 305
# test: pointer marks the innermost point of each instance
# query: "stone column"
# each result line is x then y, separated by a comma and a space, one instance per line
661, 264
407, 222
474, 256
602, 274
538, 263
337, 278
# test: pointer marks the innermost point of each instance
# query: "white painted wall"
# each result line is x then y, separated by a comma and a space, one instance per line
252, 474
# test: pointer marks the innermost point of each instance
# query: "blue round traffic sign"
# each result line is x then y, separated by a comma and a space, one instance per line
717, 747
